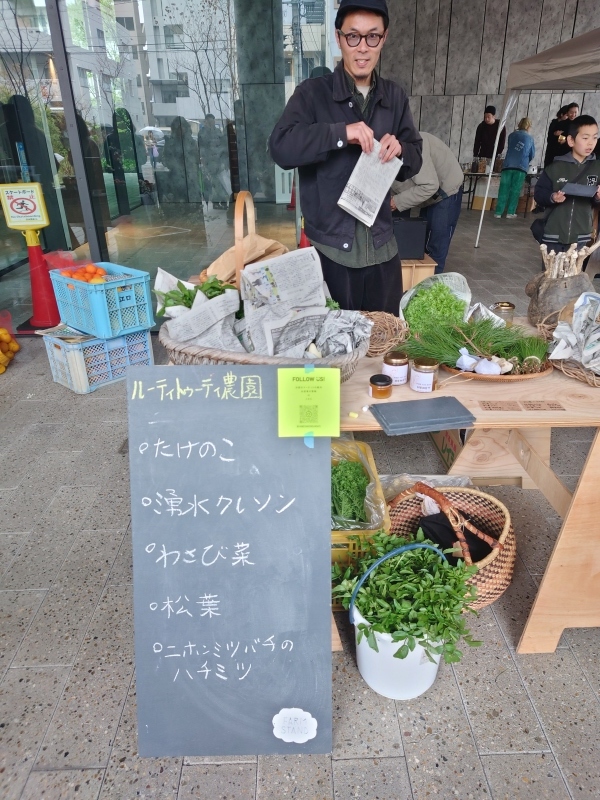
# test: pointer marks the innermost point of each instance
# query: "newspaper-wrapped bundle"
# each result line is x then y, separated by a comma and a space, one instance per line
285, 312
579, 339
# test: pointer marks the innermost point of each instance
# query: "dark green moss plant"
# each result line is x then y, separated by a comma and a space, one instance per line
416, 597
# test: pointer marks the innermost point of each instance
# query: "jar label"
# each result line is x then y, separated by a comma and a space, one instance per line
421, 381
398, 374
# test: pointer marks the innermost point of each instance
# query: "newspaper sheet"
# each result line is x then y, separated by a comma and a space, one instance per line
203, 315
295, 278
343, 332
456, 282
369, 185
66, 334
580, 339
165, 282
291, 335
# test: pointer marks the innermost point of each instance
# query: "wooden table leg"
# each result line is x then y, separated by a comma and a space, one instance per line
569, 596
487, 457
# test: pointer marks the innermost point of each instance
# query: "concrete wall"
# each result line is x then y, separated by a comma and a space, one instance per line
452, 58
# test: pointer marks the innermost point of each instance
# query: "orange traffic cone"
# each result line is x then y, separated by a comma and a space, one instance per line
304, 241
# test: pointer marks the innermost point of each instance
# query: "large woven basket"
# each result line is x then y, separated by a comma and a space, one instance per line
572, 369
182, 353
494, 572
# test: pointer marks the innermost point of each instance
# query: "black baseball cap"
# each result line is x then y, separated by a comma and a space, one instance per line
377, 6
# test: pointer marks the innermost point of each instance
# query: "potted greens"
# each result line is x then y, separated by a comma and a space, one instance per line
407, 605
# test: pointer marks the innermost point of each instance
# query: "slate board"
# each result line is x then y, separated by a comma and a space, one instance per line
246, 520
420, 416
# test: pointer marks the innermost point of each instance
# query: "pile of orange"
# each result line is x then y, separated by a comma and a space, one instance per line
87, 273
8, 348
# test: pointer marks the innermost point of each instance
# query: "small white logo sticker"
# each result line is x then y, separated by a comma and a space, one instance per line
294, 725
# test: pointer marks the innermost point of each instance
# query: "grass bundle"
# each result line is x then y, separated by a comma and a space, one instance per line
481, 338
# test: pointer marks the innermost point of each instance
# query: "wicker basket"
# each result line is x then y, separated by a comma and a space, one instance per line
182, 353
494, 572
387, 333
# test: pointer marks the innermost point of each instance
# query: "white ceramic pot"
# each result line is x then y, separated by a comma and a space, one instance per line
396, 678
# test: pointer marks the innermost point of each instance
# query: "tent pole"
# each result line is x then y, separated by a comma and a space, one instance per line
508, 105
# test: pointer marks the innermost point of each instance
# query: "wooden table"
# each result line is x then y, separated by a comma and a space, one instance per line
510, 443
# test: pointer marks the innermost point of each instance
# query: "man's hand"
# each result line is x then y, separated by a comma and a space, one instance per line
360, 133
558, 197
393, 204
598, 193
390, 148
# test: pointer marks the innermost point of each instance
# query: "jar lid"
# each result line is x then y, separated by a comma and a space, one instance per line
395, 358
504, 305
380, 380
426, 364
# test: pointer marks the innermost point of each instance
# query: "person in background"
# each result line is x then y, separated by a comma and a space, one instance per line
557, 133
485, 135
437, 191
570, 218
326, 125
519, 154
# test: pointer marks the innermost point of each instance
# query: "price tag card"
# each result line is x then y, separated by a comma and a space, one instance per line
308, 401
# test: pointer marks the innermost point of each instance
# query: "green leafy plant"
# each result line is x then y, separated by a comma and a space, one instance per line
416, 597
432, 305
182, 296
349, 483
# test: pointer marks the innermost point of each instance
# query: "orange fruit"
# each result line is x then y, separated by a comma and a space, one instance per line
3, 347
10, 355
70, 286
66, 273
100, 271
14, 347
6, 337
2, 369
97, 279
91, 269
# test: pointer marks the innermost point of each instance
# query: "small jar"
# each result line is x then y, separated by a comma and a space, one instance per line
395, 364
505, 311
423, 374
380, 387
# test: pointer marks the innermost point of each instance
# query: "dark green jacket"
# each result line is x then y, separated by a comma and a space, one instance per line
570, 221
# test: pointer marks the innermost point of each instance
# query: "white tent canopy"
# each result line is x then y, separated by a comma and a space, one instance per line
572, 65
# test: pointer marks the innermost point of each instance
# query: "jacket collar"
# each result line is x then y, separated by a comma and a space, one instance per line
570, 158
341, 90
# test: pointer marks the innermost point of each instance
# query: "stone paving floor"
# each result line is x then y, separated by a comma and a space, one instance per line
496, 726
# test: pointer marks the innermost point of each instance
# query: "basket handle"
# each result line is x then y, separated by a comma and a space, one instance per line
455, 518
243, 201
397, 551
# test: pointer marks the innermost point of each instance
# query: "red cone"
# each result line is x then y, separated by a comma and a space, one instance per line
45, 310
292, 204
304, 241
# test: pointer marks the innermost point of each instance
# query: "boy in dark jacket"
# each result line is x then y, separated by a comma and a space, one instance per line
570, 216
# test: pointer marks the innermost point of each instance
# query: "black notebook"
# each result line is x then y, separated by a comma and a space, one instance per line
419, 416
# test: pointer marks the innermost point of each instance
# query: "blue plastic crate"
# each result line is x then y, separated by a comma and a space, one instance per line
105, 309
85, 366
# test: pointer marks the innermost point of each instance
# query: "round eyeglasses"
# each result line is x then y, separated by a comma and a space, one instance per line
354, 39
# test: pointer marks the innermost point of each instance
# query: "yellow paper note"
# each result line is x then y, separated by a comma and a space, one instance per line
308, 401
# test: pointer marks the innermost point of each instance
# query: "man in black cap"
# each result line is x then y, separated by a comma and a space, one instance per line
485, 135
324, 128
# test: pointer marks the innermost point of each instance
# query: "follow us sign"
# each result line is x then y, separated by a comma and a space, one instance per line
23, 205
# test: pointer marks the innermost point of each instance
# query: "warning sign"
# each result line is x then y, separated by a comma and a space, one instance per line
23, 206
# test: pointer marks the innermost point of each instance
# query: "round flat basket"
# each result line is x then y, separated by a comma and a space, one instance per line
494, 572
182, 353
573, 369
499, 378
387, 333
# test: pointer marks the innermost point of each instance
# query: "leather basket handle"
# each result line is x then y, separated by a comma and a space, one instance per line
243, 201
455, 518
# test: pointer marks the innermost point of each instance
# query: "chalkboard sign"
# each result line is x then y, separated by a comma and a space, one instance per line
231, 547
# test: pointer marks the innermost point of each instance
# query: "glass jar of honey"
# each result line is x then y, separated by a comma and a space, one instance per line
380, 387
424, 374
395, 365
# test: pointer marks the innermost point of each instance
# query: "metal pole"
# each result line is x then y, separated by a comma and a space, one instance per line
97, 244
297, 40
